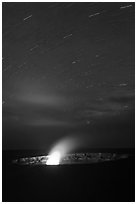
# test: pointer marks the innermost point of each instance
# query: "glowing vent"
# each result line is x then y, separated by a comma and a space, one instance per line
54, 159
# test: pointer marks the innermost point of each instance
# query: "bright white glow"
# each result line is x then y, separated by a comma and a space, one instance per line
53, 159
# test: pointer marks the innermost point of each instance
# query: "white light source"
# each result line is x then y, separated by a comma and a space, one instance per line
53, 159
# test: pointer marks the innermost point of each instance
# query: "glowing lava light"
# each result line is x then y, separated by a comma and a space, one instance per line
54, 158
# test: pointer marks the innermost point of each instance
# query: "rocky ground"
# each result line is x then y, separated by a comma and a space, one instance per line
75, 158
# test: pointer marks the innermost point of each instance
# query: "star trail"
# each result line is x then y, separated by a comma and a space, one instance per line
68, 68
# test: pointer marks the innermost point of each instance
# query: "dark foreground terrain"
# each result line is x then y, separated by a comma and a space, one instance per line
107, 181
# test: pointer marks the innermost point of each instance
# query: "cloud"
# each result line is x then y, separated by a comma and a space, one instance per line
108, 107
122, 99
47, 123
45, 99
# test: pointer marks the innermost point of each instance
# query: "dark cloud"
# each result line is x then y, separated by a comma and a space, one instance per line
127, 99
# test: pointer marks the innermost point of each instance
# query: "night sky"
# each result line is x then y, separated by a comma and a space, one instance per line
68, 71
